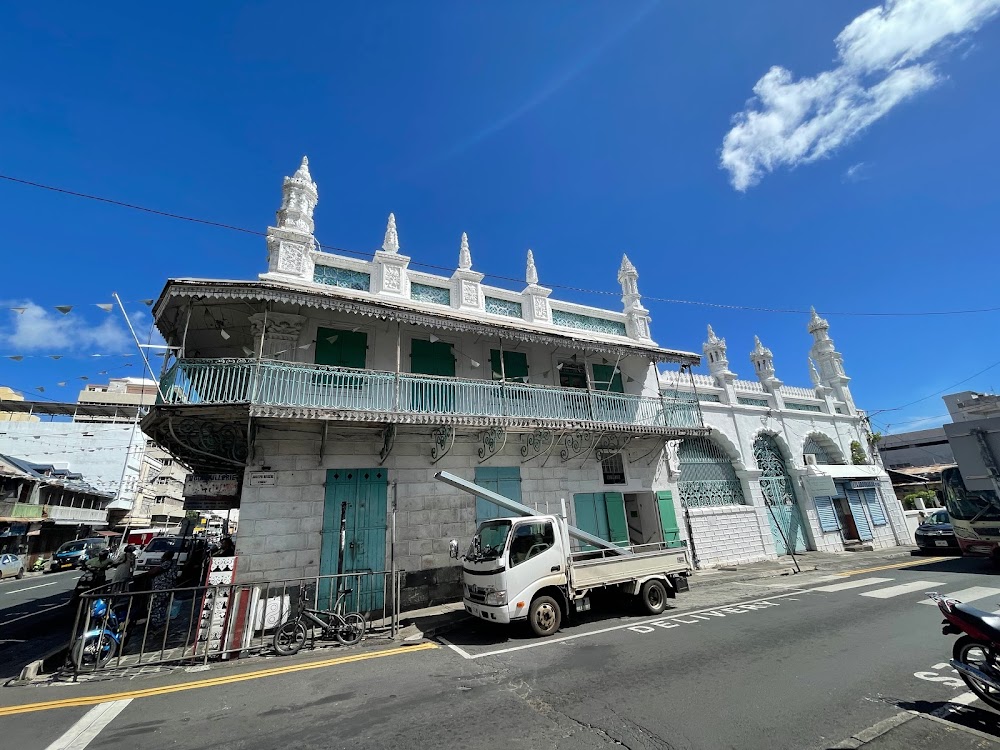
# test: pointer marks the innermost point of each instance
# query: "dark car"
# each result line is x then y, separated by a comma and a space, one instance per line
936, 534
71, 554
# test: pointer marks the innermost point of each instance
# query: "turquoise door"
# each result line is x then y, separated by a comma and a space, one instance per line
361, 496
503, 480
778, 488
603, 515
787, 518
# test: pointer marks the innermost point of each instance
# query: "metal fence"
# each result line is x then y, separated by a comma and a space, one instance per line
196, 624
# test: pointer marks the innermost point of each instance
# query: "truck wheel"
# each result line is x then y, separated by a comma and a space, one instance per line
544, 616
654, 597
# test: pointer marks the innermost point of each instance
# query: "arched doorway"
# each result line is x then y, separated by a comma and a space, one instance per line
779, 495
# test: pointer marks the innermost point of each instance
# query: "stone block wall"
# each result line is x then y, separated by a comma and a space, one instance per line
728, 535
280, 533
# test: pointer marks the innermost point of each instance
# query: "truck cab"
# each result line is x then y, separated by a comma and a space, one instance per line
509, 561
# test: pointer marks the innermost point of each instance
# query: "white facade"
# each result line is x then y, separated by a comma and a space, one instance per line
821, 421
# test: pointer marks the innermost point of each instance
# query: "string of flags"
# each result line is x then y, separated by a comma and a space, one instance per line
67, 309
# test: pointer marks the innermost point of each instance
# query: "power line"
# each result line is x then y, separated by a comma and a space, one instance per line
938, 393
362, 254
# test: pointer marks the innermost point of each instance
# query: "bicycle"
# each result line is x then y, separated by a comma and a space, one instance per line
346, 629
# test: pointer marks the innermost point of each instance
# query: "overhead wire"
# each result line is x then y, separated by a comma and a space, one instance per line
364, 254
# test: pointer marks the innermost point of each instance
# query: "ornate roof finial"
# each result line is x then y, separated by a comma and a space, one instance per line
814, 374
391, 242
464, 255
299, 197
816, 323
626, 269
531, 273
759, 349
302, 173
712, 338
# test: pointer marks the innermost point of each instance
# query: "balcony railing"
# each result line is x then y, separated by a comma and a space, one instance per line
27, 511
288, 384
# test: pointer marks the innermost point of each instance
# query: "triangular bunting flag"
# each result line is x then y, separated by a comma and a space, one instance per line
18, 310
147, 302
106, 306
16, 357
55, 356
64, 308
41, 389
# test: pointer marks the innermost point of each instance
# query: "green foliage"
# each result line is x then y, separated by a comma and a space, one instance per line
858, 457
910, 498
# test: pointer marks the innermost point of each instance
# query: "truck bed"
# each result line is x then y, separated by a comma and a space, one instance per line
592, 573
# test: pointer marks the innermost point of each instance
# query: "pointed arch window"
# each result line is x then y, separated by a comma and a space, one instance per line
707, 475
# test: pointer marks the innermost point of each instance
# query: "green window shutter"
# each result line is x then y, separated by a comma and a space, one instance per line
348, 348
504, 480
603, 377
668, 519
515, 365
614, 504
432, 358
585, 505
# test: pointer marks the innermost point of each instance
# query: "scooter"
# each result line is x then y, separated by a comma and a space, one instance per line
976, 655
40, 565
101, 643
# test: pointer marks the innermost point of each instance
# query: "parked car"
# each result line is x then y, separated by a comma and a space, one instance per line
72, 554
153, 552
936, 534
11, 565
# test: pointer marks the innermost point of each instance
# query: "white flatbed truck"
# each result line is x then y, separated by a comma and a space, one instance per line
522, 569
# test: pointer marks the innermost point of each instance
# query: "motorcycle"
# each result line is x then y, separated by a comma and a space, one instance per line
100, 644
976, 655
39, 565
90, 579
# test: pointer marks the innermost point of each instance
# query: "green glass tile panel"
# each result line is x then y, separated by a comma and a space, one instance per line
427, 293
588, 323
802, 407
342, 277
505, 307
746, 401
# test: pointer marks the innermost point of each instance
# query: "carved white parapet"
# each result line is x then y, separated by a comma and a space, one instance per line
390, 275
536, 304
281, 333
289, 253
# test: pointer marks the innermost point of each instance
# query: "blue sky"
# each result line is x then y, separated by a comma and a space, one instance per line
860, 179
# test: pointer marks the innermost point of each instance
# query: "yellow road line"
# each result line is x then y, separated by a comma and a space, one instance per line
906, 564
210, 682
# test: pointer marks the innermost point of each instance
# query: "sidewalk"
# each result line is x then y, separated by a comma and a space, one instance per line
917, 731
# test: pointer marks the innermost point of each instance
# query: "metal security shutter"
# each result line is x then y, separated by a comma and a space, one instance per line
828, 520
875, 509
857, 504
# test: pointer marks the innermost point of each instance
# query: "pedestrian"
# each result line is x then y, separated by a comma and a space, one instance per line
164, 578
227, 548
123, 571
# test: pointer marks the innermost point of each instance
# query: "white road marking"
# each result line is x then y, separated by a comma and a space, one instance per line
967, 595
81, 734
30, 614
29, 588
903, 588
653, 621
852, 584
965, 699
461, 652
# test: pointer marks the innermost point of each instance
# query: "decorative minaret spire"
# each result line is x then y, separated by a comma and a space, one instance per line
763, 362
290, 243
464, 254
391, 242
530, 272
637, 321
814, 375
718, 363
829, 361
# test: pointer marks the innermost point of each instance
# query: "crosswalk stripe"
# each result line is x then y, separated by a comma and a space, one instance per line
968, 595
852, 584
903, 588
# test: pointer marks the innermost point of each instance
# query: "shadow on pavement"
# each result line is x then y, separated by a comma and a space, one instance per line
970, 717
971, 565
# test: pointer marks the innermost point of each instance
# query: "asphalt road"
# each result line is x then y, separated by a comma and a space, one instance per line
800, 662
34, 618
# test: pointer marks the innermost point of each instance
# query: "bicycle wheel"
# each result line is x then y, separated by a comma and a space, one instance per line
289, 638
351, 630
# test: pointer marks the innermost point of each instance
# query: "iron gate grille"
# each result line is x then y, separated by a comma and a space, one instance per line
707, 475
774, 480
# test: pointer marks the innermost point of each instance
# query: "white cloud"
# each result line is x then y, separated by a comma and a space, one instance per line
40, 329
881, 63
856, 172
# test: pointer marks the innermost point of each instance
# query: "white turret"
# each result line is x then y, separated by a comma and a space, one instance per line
763, 364
291, 242
637, 321
714, 349
391, 242
829, 361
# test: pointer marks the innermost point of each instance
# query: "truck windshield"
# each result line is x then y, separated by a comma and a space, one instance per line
489, 541
964, 505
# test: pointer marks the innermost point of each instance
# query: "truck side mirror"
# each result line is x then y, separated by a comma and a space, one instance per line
453, 549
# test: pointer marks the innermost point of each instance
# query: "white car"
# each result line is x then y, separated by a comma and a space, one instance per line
152, 553
11, 565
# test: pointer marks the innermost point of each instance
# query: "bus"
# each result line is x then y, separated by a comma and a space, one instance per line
975, 516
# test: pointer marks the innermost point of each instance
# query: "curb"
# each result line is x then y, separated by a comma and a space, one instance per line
31, 670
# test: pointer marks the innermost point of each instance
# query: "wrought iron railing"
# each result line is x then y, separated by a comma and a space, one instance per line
275, 383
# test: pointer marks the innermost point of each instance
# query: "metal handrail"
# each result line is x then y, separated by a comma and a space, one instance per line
296, 384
